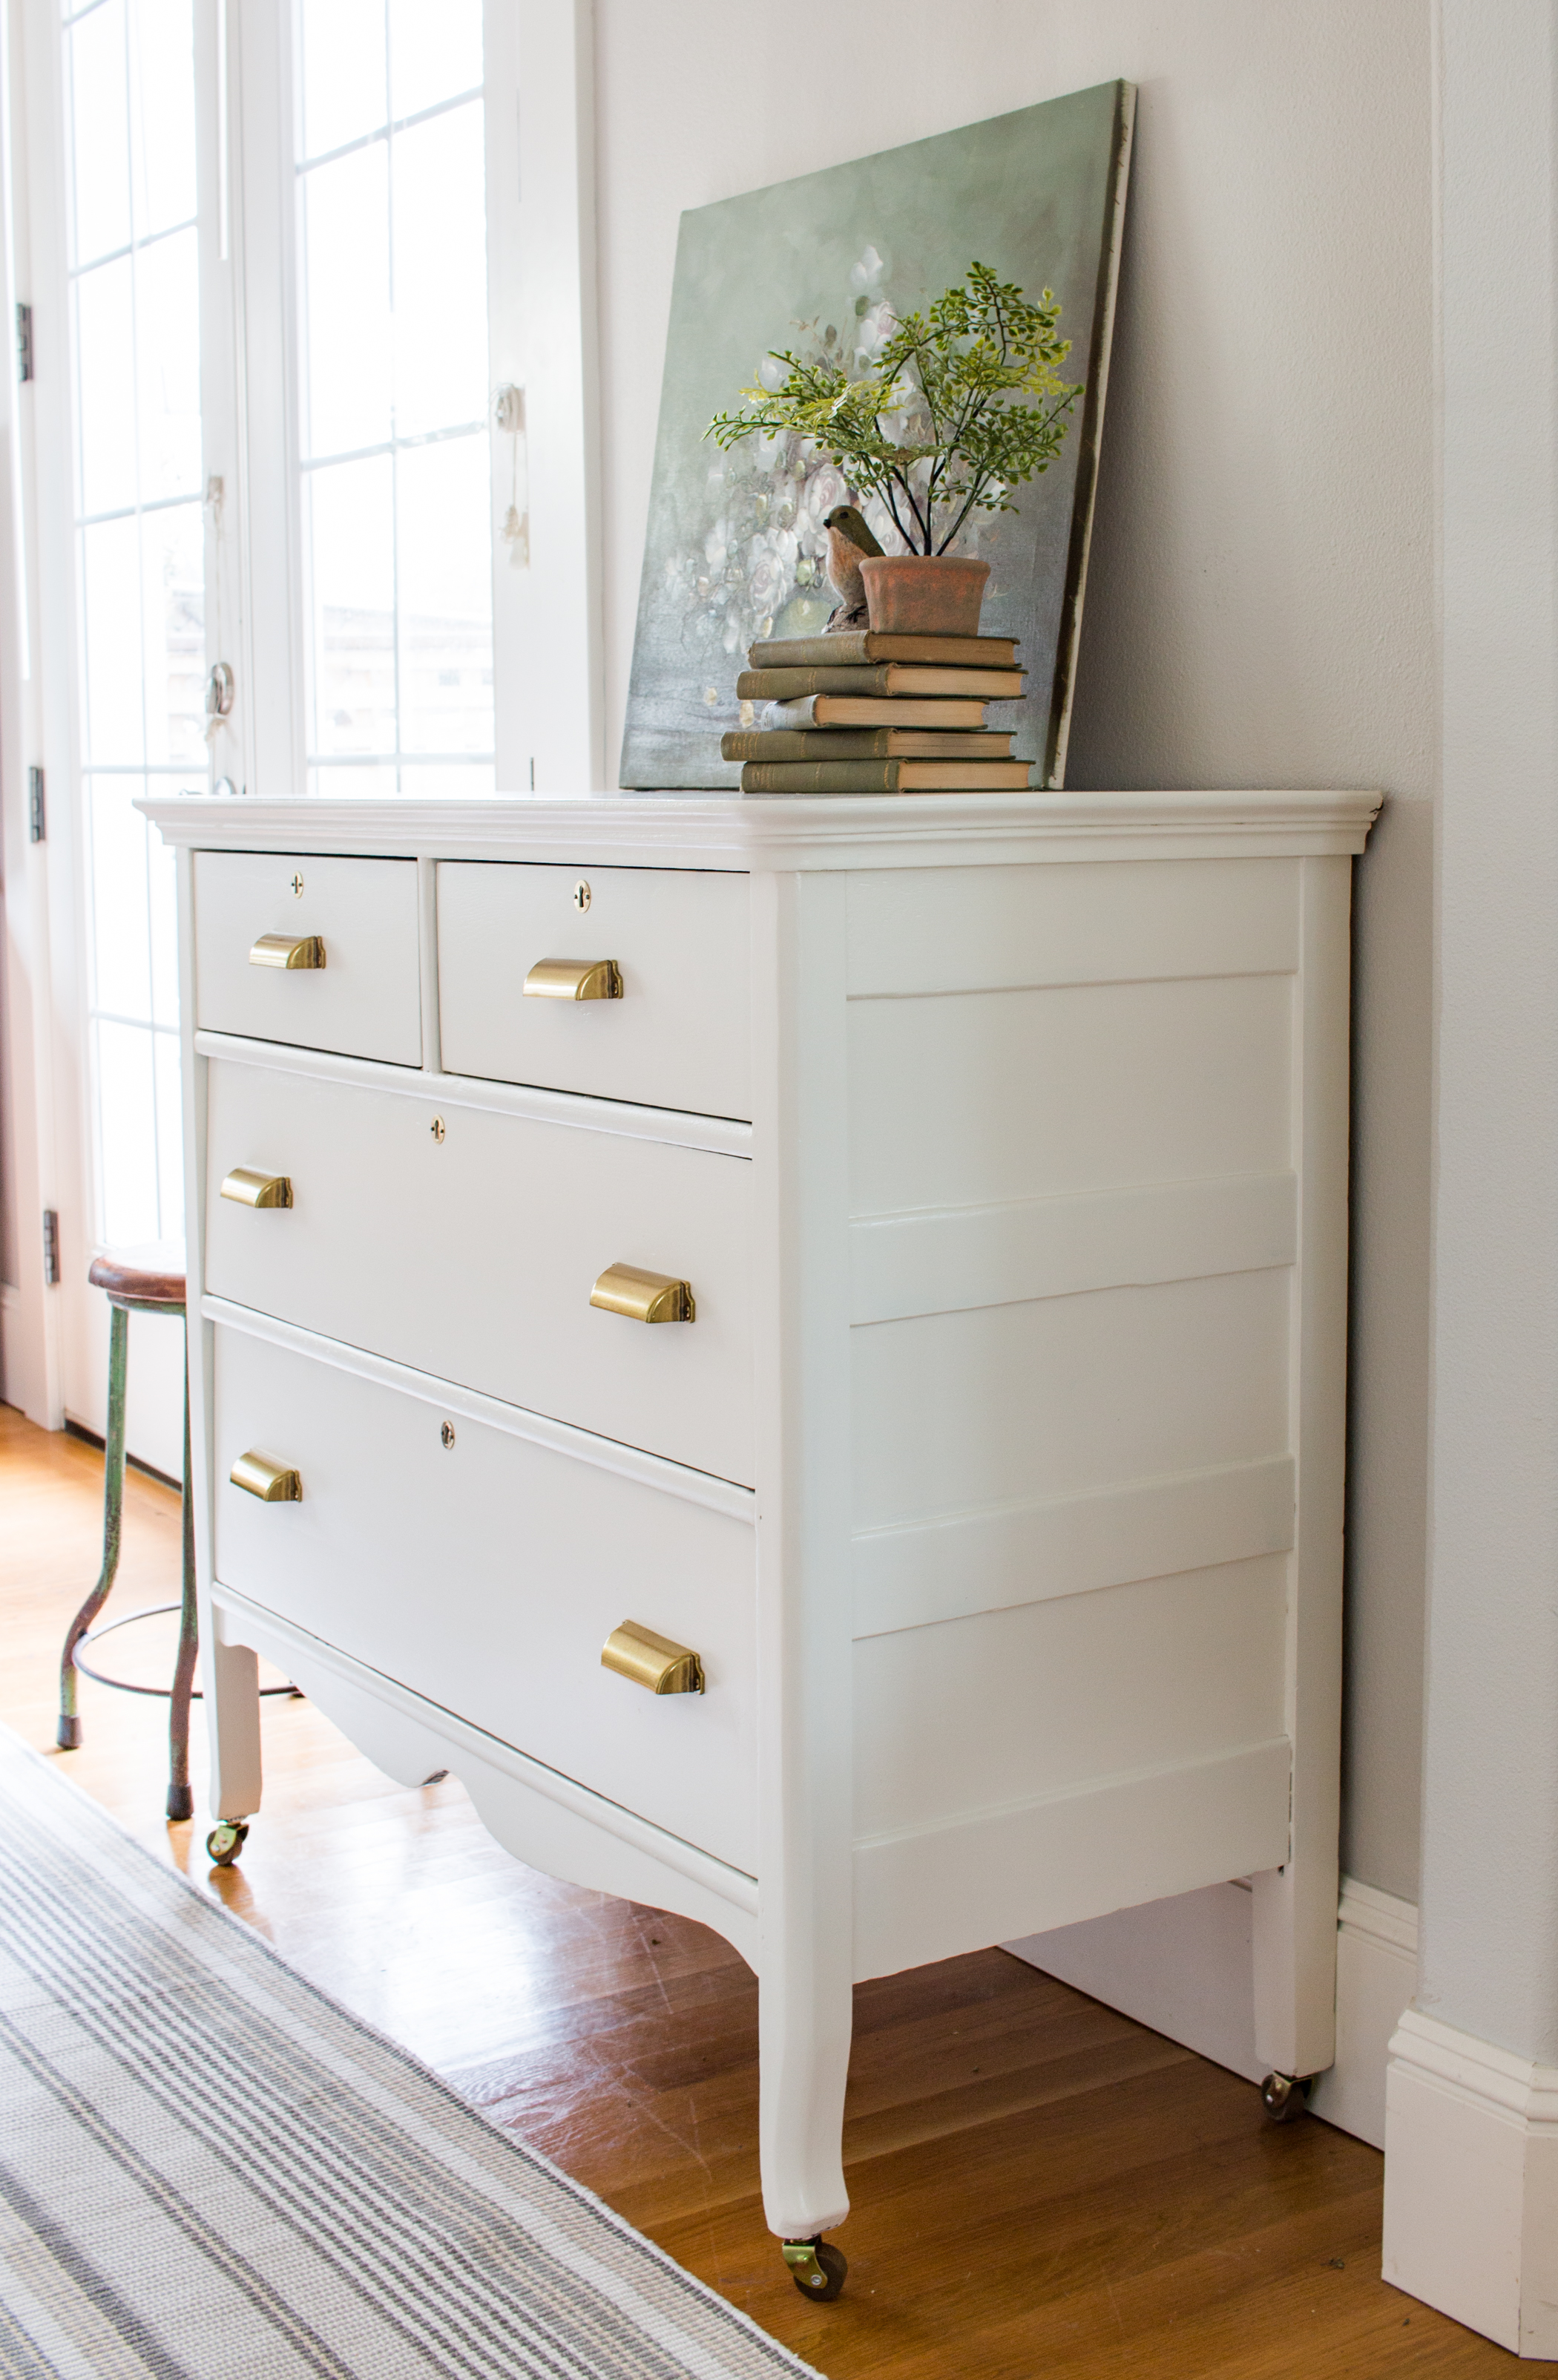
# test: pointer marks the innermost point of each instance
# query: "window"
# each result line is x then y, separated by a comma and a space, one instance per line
129, 105
393, 437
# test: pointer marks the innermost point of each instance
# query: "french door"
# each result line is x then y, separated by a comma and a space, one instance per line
304, 503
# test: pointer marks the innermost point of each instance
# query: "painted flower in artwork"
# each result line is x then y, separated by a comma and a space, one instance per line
759, 569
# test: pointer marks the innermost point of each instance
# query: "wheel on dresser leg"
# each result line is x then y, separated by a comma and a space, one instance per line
1286, 2096
224, 1842
816, 2267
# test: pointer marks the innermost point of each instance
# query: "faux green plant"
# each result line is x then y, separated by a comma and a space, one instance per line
965, 403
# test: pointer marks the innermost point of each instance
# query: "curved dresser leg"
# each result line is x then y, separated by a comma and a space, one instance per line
230, 1675
803, 2027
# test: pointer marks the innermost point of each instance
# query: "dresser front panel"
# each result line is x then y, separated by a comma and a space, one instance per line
486, 1575
365, 1002
680, 1036
471, 1253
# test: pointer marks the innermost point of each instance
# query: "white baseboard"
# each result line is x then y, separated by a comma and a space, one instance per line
1185, 1967
1471, 2183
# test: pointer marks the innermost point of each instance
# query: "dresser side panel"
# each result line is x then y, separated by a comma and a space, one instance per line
1089, 1070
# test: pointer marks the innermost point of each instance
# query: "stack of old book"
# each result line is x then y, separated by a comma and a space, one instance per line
862, 713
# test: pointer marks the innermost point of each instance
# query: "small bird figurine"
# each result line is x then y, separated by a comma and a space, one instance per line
847, 541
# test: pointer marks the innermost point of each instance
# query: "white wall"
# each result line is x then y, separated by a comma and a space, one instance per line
1260, 610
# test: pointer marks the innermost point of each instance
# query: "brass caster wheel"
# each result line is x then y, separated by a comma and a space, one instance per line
816, 2267
224, 1842
1286, 2096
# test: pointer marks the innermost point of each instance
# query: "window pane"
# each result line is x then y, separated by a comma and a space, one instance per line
100, 132
440, 273
105, 417
345, 376
168, 342
351, 537
433, 779
170, 1137
173, 557
163, 45
435, 52
162, 881
121, 943
343, 70
126, 1101
353, 777
111, 643
397, 543
129, 68
445, 598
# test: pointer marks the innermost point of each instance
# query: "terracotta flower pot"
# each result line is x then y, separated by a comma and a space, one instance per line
924, 594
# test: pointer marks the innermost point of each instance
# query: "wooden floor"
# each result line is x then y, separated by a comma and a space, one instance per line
1039, 2185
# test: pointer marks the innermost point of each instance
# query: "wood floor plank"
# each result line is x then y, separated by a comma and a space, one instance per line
1039, 2185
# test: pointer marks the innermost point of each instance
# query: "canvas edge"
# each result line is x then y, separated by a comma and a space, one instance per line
1084, 502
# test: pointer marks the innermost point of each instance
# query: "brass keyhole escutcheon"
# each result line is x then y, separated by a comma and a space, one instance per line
297, 886
447, 1433
581, 896
436, 1127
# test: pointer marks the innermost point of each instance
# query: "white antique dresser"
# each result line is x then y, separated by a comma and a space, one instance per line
796, 1346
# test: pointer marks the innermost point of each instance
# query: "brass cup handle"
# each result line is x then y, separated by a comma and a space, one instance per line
658, 1662
573, 980
643, 1296
287, 951
246, 1186
273, 1483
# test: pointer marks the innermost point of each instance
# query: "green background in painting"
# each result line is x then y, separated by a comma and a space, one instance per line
1030, 194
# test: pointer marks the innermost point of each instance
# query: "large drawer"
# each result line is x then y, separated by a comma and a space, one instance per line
467, 1243
486, 1573
679, 1036
366, 1000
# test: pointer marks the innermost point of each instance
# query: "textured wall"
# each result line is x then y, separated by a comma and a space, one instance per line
1260, 610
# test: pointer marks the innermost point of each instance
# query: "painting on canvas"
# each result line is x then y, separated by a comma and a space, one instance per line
735, 546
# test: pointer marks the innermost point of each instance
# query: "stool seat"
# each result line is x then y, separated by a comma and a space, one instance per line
149, 1276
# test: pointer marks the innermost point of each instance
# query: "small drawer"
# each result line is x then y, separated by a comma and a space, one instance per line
669, 1027
486, 1573
467, 1245
365, 1000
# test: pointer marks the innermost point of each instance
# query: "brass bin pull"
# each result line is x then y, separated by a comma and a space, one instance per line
247, 1187
272, 1482
643, 1296
287, 951
653, 1661
573, 980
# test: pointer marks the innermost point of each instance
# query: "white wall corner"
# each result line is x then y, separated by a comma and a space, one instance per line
1185, 1967
1471, 2183
1376, 1977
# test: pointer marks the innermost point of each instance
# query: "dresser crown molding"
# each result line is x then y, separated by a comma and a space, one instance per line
691, 830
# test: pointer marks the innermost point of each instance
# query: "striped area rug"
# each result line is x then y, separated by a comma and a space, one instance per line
208, 2171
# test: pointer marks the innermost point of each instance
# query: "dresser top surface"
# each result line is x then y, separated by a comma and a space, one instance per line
730, 831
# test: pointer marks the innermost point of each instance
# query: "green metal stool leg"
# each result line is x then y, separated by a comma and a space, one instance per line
69, 1732
181, 1802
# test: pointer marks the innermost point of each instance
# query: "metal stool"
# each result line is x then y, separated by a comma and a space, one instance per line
138, 1281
